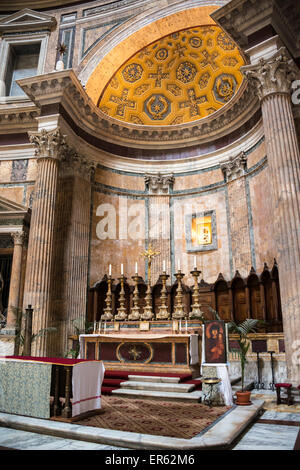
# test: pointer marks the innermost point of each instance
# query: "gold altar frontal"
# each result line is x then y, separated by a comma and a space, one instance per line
154, 346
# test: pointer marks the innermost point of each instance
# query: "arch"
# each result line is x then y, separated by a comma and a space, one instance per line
255, 297
223, 298
240, 307
96, 77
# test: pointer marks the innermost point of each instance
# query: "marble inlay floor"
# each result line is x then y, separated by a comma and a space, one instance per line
271, 435
24, 440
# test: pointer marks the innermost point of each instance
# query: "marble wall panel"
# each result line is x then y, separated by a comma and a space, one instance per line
211, 263
119, 179
120, 245
13, 193
198, 180
256, 155
261, 205
5, 171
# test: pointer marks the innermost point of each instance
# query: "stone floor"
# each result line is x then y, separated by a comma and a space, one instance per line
14, 439
264, 433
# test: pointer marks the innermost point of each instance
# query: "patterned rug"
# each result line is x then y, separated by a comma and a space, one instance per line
160, 418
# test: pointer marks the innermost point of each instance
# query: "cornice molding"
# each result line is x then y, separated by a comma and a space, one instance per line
64, 89
27, 20
242, 18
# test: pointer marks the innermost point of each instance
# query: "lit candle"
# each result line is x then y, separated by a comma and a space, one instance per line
180, 326
95, 326
105, 327
109, 270
178, 265
136, 268
122, 269
195, 263
186, 327
164, 266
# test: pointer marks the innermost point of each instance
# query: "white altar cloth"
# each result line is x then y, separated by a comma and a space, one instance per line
87, 380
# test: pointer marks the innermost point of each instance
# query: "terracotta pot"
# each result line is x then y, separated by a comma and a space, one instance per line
243, 398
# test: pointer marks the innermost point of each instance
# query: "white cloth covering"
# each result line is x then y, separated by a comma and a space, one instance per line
194, 350
87, 380
225, 385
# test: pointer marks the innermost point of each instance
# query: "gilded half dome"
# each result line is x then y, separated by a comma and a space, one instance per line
181, 78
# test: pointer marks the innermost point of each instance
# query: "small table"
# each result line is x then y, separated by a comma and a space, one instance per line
211, 381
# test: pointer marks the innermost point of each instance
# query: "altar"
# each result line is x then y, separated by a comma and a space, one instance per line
156, 350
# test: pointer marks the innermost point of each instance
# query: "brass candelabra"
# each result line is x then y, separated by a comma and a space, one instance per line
179, 312
108, 315
135, 311
148, 312
196, 311
163, 313
121, 311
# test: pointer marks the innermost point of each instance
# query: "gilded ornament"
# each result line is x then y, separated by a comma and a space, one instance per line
157, 107
195, 42
162, 54
225, 42
132, 72
186, 72
224, 87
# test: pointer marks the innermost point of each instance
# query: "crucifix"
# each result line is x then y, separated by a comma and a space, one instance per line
149, 254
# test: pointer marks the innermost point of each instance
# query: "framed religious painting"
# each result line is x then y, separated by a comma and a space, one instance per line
215, 342
201, 231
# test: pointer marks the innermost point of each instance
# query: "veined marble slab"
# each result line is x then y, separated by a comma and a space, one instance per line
269, 437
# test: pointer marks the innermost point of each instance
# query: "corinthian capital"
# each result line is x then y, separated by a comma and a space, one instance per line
273, 75
235, 167
19, 237
159, 184
48, 144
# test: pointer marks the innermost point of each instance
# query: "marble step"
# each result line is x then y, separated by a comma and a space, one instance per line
153, 386
146, 378
158, 395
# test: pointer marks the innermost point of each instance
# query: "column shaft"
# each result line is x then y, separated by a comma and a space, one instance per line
284, 165
15, 281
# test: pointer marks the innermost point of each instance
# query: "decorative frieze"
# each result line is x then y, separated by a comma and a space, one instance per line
235, 167
65, 87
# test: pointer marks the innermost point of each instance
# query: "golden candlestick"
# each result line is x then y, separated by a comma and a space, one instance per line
196, 311
135, 311
121, 311
179, 312
148, 312
163, 313
108, 315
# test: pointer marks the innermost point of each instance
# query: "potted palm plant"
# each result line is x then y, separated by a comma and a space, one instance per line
243, 330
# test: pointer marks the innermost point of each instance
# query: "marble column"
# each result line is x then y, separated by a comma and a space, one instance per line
49, 147
70, 276
272, 79
15, 280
